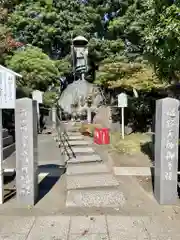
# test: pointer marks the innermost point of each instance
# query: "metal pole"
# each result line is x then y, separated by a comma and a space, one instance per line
1, 161
122, 122
82, 76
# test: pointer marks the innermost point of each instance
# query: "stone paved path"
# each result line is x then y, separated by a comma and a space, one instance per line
88, 228
90, 183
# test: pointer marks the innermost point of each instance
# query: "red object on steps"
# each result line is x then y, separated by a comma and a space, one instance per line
101, 136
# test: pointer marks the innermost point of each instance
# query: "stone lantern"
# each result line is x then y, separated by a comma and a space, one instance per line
79, 51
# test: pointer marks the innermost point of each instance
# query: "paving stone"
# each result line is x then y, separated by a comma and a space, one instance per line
95, 198
88, 225
125, 228
88, 181
162, 228
77, 143
140, 236
13, 236
85, 159
73, 169
46, 228
97, 236
15, 225
172, 227
132, 171
167, 237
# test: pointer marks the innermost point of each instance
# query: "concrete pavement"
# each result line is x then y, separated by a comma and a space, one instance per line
88, 228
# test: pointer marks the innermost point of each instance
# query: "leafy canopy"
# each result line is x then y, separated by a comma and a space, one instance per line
52, 26
37, 69
131, 42
150, 32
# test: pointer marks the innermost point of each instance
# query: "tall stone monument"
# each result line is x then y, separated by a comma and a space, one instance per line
166, 150
26, 151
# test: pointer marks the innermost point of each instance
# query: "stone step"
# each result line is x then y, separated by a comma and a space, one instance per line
77, 143
74, 134
90, 181
7, 141
80, 151
85, 159
110, 197
74, 129
85, 168
8, 150
5, 133
75, 138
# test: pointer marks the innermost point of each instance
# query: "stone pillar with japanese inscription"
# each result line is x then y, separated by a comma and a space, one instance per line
26, 151
166, 150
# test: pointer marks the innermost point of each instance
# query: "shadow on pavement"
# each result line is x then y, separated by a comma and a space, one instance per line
9, 178
147, 149
52, 173
9, 187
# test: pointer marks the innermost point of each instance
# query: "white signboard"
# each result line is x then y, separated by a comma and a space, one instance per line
122, 100
7, 90
38, 96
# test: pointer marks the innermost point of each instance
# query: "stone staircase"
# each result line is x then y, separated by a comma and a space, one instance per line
89, 180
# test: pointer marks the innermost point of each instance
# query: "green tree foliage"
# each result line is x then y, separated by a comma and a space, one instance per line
148, 60
7, 42
64, 66
150, 33
102, 49
163, 43
131, 42
49, 98
120, 72
3, 42
52, 26
37, 69
3, 32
